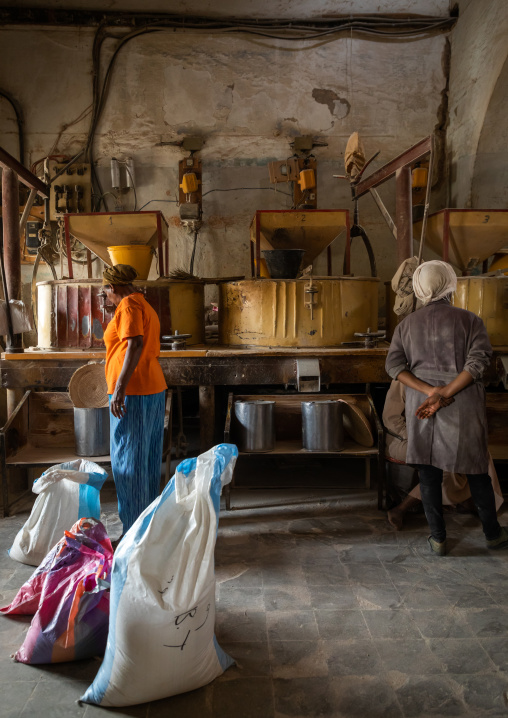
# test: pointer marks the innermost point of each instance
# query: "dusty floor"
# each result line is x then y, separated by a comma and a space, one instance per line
327, 611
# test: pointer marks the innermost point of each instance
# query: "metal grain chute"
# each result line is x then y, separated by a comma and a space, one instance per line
99, 230
310, 230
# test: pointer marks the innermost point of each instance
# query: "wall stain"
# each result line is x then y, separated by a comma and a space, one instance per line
338, 106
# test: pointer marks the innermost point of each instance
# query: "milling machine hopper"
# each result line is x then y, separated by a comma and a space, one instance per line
311, 230
465, 237
100, 230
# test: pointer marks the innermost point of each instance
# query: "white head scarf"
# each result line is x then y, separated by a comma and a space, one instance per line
433, 281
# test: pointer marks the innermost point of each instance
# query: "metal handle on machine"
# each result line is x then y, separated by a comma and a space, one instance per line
105, 306
311, 291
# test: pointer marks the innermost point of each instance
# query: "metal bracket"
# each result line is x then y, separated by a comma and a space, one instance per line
308, 375
311, 291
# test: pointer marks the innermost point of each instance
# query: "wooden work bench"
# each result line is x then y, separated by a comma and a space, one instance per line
208, 367
203, 366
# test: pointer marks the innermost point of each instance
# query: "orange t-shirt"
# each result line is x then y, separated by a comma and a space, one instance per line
134, 317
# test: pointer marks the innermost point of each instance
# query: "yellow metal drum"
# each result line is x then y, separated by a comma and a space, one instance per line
488, 298
187, 306
500, 262
316, 312
71, 313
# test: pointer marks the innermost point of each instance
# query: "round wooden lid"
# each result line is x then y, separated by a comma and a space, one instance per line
88, 388
357, 425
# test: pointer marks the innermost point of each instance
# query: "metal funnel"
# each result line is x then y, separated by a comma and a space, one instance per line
283, 263
100, 230
468, 236
311, 230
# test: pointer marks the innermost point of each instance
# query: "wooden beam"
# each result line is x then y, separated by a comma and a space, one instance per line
409, 157
403, 214
24, 175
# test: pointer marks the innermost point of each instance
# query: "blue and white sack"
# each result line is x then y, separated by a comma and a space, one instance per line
66, 493
162, 610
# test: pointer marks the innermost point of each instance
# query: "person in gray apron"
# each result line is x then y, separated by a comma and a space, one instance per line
440, 353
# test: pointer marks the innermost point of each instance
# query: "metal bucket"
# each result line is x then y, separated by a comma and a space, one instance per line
91, 430
255, 425
322, 425
283, 263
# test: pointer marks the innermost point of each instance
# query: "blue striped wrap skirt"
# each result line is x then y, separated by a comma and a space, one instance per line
136, 454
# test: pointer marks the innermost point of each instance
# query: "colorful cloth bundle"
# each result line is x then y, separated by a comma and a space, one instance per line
69, 595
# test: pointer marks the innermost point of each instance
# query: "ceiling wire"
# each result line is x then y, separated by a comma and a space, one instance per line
19, 122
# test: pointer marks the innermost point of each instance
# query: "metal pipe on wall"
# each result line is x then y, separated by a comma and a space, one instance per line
11, 246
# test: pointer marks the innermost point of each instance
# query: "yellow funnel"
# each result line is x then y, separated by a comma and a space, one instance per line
471, 235
137, 255
311, 230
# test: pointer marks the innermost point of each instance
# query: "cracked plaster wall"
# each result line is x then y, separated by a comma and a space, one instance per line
478, 106
248, 99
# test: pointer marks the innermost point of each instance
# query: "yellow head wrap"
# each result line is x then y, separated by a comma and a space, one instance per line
120, 274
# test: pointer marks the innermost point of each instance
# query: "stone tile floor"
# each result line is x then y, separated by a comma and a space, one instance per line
327, 611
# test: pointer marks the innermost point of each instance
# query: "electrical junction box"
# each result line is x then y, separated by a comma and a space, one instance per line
193, 143
190, 173
70, 191
190, 211
32, 237
284, 170
307, 179
303, 144
190, 183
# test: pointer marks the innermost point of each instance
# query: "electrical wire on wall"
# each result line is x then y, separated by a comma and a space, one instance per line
193, 255
170, 201
370, 26
251, 189
19, 122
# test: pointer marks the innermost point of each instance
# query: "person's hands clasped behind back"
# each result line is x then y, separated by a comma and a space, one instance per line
432, 404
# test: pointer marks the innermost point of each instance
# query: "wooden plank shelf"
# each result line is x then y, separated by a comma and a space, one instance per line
351, 450
47, 456
288, 433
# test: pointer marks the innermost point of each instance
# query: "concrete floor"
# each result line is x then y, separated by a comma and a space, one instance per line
327, 611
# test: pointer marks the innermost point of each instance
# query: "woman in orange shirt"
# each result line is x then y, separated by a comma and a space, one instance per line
136, 388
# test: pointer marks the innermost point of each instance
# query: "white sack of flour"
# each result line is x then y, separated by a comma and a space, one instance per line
162, 610
66, 493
